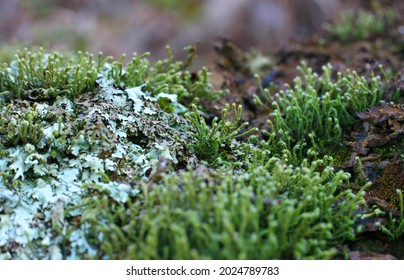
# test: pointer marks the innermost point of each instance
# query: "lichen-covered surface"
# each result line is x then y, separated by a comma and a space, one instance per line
300, 155
57, 149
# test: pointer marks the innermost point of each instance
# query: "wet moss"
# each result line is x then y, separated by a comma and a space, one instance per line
386, 185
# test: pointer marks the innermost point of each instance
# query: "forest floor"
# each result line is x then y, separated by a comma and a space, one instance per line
371, 149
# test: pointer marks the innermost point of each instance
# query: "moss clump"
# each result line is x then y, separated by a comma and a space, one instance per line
317, 109
40, 76
212, 142
275, 212
362, 25
20, 129
167, 75
37, 76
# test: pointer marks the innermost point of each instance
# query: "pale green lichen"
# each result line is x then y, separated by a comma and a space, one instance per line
58, 146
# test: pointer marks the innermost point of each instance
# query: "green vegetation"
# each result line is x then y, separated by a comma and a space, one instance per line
210, 141
22, 130
362, 25
165, 75
317, 107
104, 161
35, 75
395, 227
189, 9
278, 212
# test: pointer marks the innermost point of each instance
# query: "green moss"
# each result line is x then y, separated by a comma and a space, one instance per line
167, 75
212, 142
278, 212
388, 182
37, 76
40, 76
341, 155
107, 161
317, 109
21, 128
394, 227
385, 152
165, 104
362, 25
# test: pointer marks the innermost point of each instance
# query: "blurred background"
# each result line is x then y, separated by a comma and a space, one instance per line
124, 26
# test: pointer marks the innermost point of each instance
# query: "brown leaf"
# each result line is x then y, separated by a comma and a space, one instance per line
382, 113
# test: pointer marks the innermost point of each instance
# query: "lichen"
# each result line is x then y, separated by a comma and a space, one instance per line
60, 148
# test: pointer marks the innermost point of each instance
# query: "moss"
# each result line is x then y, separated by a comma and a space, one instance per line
165, 104
212, 142
275, 212
386, 185
317, 109
385, 152
360, 25
40, 76
108, 161
341, 155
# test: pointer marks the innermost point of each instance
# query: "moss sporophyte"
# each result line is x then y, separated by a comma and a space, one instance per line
102, 161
